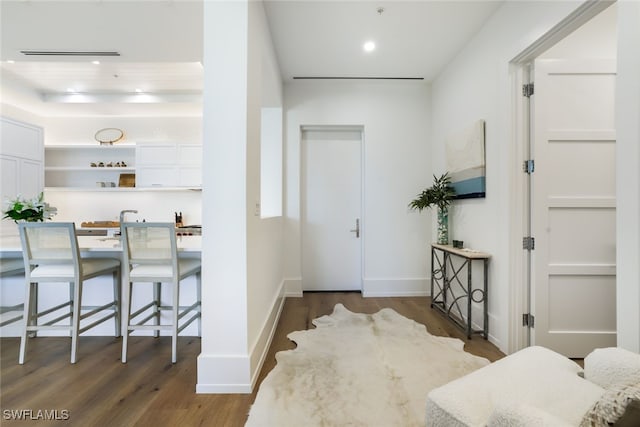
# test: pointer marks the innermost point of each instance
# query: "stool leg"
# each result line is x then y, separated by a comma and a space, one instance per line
72, 296
174, 326
75, 326
157, 299
199, 296
28, 303
117, 300
34, 310
127, 313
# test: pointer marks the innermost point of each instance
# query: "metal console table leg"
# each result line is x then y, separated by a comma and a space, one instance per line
448, 289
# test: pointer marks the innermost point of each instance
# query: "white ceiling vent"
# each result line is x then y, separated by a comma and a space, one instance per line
69, 53
354, 78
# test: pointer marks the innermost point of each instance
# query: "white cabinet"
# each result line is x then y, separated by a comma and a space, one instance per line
87, 166
21, 166
21, 155
168, 164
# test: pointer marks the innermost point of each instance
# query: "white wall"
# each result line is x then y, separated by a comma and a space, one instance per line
82, 130
242, 253
264, 235
628, 176
152, 205
477, 85
397, 166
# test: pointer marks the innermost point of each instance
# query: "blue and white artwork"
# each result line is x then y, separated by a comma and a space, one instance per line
466, 161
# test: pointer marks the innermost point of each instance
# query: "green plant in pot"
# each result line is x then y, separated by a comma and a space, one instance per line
440, 195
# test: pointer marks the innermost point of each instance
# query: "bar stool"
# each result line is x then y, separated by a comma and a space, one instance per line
151, 256
11, 267
51, 254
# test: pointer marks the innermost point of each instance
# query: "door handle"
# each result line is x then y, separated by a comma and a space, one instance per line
357, 229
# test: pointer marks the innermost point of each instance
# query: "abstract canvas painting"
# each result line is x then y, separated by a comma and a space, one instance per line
466, 161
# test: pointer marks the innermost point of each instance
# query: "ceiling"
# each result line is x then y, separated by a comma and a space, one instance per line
160, 48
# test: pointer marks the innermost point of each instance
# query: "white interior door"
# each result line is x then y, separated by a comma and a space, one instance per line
574, 206
331, 210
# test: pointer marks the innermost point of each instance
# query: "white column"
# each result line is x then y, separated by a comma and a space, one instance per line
224, 365
628, 175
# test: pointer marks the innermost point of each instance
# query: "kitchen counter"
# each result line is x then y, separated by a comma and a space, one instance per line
10, 246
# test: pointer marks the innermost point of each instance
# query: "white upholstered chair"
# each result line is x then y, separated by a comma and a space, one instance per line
51, 254
151, 256
11, 267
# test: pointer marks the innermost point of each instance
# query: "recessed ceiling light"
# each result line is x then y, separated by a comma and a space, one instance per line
95, 62
138, 90
369, 46
71, 90
11, 61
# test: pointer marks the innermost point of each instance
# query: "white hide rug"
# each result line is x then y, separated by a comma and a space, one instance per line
358, 369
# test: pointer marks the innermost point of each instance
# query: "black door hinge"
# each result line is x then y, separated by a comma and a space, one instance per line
528, 320
528, 243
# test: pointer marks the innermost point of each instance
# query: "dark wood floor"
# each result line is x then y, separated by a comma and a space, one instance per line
148, 390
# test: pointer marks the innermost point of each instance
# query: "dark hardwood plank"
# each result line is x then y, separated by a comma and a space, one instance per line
148, 390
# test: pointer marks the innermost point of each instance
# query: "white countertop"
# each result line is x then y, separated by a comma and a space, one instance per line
10, 245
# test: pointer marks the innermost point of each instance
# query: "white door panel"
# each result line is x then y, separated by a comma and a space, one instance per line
573, 211
331, 204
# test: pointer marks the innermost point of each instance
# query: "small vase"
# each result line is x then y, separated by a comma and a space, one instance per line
443, 226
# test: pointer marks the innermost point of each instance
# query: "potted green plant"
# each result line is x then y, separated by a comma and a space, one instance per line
33, 210
440, 195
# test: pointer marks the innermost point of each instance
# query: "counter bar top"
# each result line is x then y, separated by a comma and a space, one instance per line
10, 245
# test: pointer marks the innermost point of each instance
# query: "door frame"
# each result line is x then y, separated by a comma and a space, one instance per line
520, 260
302, 195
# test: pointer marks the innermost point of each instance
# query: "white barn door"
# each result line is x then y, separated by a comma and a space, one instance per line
331, 209
574, 206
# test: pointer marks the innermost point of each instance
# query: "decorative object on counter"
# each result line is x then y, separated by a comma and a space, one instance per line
458, 244
33, 210
108, 136
439, 194
179, 222
109, 165
101, 224
101, 165
93, 164
127, 180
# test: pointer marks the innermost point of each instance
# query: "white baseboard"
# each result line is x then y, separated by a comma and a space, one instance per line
396, 287
231, 374
260, 348
293, 287
239, 373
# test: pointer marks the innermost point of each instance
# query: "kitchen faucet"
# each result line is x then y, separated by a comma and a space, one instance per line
122, 217
124, 212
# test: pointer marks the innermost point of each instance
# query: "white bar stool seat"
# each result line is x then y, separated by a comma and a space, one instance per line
51, 254
151, 256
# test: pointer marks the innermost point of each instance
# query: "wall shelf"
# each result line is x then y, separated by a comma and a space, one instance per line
70, 165
157, 166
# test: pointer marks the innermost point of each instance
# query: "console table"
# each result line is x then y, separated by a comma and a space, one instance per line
449, 292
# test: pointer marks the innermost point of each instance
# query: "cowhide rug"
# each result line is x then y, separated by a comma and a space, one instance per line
358, 369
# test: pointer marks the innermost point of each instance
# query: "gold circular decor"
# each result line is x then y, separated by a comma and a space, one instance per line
108, 136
